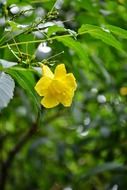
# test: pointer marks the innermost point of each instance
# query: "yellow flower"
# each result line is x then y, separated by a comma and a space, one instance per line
56, 88
123, 91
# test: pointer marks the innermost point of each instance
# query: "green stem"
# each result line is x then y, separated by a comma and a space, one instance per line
37, 41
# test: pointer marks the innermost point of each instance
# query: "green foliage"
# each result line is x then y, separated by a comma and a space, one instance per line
26, 80
81, 147
100, 33
118, 31
77, 48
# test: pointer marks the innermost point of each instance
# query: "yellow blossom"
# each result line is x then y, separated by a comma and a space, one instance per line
56, 88
123, 91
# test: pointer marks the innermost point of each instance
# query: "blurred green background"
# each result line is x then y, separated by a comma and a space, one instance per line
83, 147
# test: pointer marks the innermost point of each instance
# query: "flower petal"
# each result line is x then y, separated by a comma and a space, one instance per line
42, 85
47, 72
49, 101
70, 81
62, 91
67, 98
60, 71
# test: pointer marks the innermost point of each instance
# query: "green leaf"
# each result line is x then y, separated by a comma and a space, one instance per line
55, 28
118, 31
25, 79
77, 48
102, 34
14, 25
7, 86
